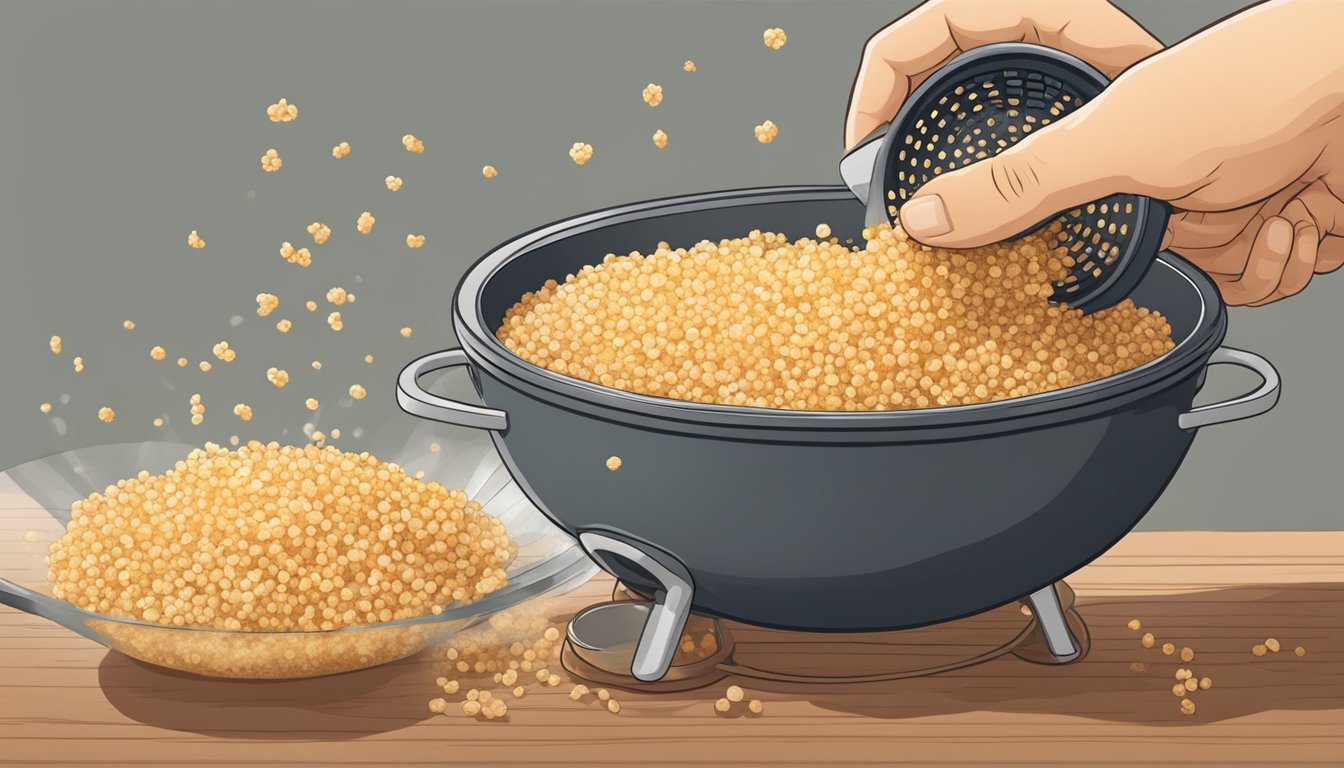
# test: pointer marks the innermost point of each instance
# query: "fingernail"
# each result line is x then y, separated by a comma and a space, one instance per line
1279, 235
926, 216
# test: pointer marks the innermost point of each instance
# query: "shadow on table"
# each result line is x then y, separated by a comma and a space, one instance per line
1220, 625
335, 707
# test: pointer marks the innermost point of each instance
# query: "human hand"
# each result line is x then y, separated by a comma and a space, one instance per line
1239, 127
902, 55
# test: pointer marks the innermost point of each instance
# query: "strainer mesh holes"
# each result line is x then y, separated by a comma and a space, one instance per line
972, 116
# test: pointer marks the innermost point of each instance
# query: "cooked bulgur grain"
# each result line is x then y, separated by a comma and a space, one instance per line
181, 362
412, 144
1258, 649
311, 403
823, 231
311, 305
340, 150
613, 463
762, 322
756, 706
734, 693
689, 66
316, 365
406, 332
55, 345
722, 705
1205, 683
660, 139
766, 132
106, 415
1272, 644
78, 362
194, 240
1187, 654
581, 153
224, 353
775, 38
1187, 707
291, 562
267, 303
271, 161
283, 325
282, 112
357, 392
393, 183
334, 320
653, 94
205, 366
365, 223
415, 241
319, 231
300, 256
489, 172
45, 407
1168, 649
157, 353
437, 706
1300, 651
277, 376
1135, 624
128, 325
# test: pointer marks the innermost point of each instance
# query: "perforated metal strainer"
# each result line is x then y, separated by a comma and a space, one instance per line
981, 103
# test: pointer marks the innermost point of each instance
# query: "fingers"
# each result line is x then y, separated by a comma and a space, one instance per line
1300, 268
898, 58
1301, 265
1269, 256
1228, 260
1329, 254
996, 198
1201, 230
910, 47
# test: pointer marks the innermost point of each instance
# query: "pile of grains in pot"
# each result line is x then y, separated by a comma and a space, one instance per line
814, 325
277, 538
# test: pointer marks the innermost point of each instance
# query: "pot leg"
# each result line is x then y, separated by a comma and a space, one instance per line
1052, 625
668, 612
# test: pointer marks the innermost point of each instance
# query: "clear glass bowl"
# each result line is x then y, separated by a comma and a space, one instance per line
35, 501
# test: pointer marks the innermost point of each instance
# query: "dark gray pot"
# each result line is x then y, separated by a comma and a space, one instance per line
828, 521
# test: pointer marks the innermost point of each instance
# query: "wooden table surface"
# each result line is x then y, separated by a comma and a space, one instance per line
67, 701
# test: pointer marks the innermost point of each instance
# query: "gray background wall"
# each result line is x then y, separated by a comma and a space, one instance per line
128, 123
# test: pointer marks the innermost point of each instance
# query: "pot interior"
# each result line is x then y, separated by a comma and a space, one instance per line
686, 221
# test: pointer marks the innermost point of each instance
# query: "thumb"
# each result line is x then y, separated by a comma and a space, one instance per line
1066, 164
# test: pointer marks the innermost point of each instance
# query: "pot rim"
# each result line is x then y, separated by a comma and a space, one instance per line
483, 347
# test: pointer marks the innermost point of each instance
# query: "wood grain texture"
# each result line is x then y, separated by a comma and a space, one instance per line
66, 701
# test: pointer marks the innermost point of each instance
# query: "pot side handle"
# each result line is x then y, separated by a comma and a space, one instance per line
1244, 407
416, 401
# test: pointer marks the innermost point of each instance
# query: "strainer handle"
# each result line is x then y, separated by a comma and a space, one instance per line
414, 400
1244, 407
